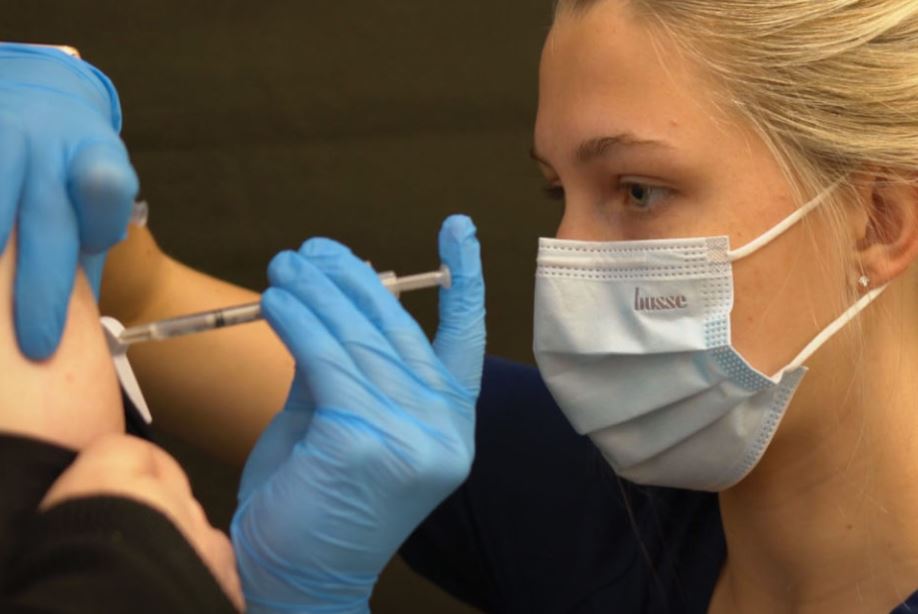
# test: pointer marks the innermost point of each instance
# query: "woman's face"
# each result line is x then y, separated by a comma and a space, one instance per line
629, 129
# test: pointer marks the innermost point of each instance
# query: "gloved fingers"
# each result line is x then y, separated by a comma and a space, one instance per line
93, 266
13, 156
359, 283
272, 450
460, 337
103, 185
327, 368
46, 264
374, 359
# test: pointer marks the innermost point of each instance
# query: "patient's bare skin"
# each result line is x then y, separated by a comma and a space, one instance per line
71, 398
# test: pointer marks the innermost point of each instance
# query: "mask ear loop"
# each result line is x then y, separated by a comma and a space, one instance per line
829, 331
782, 227
775, 232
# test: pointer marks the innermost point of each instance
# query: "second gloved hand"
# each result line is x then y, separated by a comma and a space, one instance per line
377, 430
65, 182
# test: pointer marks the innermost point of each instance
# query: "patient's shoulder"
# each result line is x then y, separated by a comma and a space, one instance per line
70, 398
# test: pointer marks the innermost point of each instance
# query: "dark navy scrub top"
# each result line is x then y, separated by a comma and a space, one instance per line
544, 525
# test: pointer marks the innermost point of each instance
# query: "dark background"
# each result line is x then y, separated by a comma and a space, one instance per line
254, 125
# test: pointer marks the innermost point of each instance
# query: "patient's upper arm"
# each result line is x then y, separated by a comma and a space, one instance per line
70, 398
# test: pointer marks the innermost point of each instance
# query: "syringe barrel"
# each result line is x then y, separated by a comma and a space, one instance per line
241, 314
424, 280
208, 320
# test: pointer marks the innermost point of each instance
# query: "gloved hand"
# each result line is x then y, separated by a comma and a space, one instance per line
64, 177
377, 430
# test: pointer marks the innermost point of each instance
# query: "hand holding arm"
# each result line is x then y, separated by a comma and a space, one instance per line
65, 180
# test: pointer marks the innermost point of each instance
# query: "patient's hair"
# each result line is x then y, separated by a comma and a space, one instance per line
830, 85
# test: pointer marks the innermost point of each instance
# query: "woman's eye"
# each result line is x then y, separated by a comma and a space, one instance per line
642, 197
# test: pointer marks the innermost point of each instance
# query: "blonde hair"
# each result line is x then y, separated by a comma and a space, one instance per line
831, 85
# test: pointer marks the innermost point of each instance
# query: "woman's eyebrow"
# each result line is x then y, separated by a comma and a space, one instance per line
601, 146
598, 147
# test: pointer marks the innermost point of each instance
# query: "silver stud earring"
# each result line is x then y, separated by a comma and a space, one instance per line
864, 282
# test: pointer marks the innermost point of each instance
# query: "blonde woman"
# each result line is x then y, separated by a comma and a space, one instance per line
727, 311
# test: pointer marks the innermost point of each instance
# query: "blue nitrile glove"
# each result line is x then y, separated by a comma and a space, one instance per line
377, 430
65, 173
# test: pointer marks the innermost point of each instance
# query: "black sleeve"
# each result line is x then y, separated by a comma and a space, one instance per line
107, 554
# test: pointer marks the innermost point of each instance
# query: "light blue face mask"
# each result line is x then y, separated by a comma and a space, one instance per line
633, 341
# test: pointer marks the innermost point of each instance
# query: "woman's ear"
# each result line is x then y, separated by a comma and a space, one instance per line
888, 240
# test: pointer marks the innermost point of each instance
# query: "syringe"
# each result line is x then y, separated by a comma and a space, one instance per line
140, 213
242, 314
